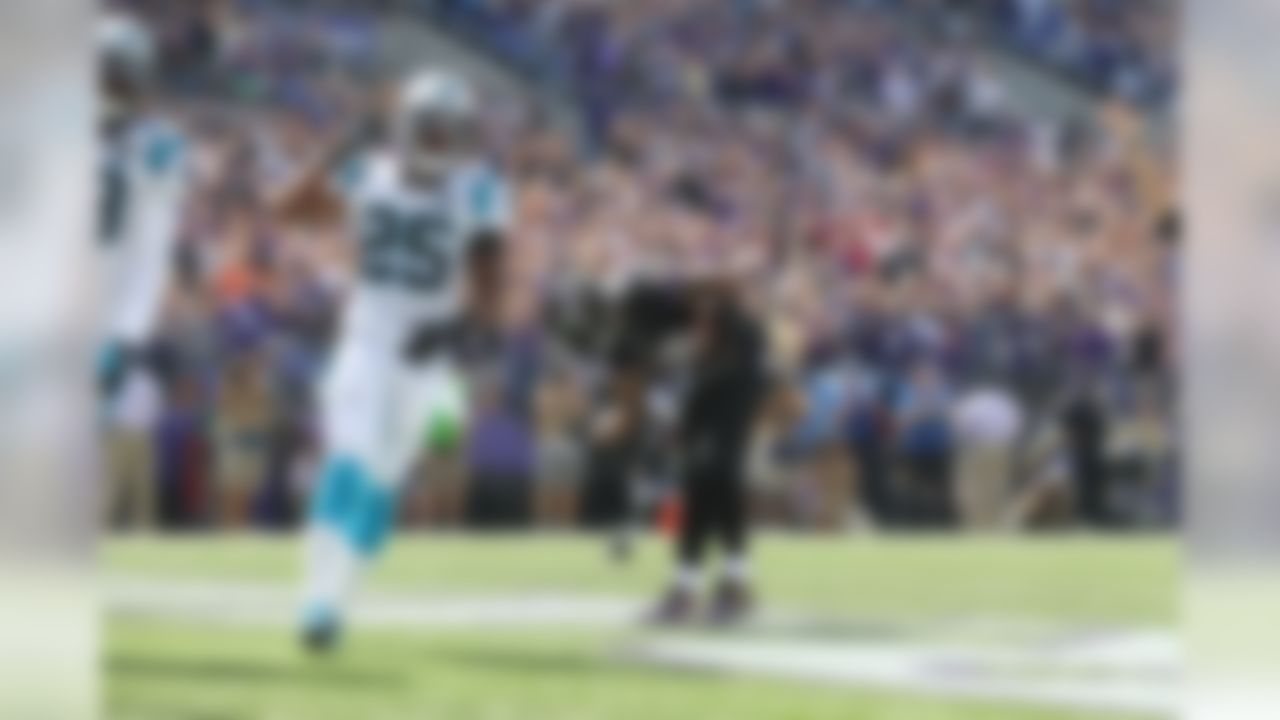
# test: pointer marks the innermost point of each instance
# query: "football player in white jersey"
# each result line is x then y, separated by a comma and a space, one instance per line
142, 168
428, 217
142, 186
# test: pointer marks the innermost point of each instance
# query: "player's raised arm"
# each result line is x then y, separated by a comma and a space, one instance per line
310, 196
143, 191
313, 195
155, 234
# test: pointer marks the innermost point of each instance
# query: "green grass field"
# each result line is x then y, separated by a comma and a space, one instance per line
165, 666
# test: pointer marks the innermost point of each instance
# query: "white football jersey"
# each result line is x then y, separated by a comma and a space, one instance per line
412, 244
143, 181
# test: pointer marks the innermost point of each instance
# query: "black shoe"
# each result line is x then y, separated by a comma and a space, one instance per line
320, 633
675, 608
731, 604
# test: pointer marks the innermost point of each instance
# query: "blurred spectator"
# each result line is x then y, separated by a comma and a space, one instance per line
988, 422
813, 449
925, 444
185, 467
560, 465
870, 440
1086, 429
130, 453
499, 461
1138, 456
903, 217
242, 433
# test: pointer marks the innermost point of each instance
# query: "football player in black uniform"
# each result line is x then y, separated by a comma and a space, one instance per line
725, 383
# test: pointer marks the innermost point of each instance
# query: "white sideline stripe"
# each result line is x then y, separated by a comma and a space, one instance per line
1113, 670
1133, 674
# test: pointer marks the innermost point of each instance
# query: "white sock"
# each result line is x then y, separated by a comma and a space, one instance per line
737, 569
332, 569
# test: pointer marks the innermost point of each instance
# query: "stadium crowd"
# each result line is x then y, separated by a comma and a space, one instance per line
1117, 47
970, 312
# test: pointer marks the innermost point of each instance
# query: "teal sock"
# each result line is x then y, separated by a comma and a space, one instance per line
337, 493
372, 518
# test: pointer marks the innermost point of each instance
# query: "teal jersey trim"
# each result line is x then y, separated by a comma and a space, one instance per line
487, 199
164, 151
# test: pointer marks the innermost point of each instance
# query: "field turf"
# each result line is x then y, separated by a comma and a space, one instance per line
164, 666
